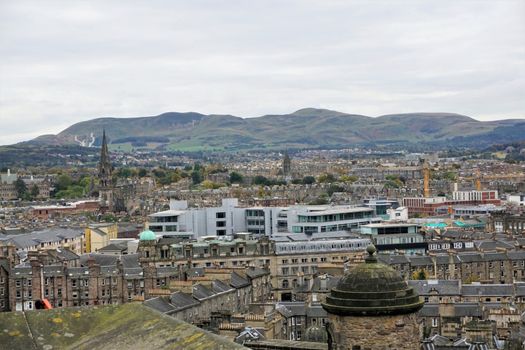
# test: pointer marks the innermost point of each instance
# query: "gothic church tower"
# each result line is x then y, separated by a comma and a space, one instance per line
105, 170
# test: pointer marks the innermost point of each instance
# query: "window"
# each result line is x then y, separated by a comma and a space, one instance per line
74, 283
220, 215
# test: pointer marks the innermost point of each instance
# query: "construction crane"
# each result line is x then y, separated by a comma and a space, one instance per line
426, 179
478, 180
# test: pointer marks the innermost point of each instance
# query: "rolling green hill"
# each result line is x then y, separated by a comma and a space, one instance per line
306, 128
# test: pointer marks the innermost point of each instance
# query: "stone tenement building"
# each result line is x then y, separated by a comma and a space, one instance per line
373, 308
490, 267
288, 260
8, 189
99, 279
505, 222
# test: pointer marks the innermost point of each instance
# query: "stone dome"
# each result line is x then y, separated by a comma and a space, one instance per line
315, 334
372, 289
147, 235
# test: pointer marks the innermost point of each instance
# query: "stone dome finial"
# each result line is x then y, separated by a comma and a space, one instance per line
371, 250
372, 288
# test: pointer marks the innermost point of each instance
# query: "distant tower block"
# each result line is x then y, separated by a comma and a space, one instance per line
105, 170
287, 164
373, 308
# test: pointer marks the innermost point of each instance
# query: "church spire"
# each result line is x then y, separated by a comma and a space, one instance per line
104, 153
105, 169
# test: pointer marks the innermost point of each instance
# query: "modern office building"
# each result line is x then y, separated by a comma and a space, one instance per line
229, 219
392, 236
320, 219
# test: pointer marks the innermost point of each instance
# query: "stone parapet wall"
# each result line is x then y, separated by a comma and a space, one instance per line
399, 332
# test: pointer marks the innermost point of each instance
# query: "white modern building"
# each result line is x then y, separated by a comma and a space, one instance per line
469, 196
391, 236
215, 221
518, 199
319, 219
229, 219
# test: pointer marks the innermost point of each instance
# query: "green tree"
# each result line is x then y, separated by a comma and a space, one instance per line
235, 177
20, 187
196, 177
420, 275
321, 200
63, 182
349, 178
35, 191
308, 180
326, 178
260, 180
334, 188
143, 172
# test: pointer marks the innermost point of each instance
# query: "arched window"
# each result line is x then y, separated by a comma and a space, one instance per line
286, 284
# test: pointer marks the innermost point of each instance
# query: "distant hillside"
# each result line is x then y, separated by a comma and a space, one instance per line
306, 128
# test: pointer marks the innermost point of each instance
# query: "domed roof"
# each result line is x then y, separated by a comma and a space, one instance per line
315, 334
372, 288
147, 235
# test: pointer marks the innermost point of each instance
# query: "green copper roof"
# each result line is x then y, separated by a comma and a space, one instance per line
372, 289
147, 236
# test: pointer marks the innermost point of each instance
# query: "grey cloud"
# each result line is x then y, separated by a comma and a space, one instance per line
63, 62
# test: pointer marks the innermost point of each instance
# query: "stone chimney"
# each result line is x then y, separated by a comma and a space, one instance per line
37, 283
323, 282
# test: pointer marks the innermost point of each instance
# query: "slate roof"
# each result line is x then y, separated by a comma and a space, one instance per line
133, 273
220, 287
442, 287
120, 247
516, 255
421, 261
201, 292
316, 310
255, 272
487, 289
100, 259
495, 256
392, 259
460, 310
447, 259
52, 235
53, 270
67, 254
470, 257
293, 308
160, 304
182, 300
237, 281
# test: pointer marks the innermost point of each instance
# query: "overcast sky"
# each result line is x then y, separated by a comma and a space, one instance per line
66, 61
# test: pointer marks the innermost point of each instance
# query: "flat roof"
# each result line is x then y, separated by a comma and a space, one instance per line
388, 224
168, 213
312, 211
